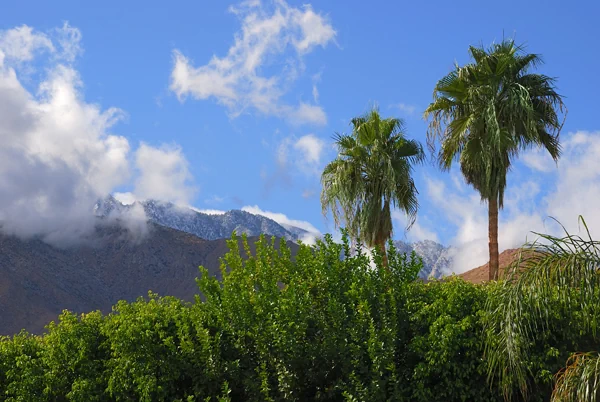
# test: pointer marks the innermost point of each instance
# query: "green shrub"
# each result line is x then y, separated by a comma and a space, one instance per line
445, 351
275, 328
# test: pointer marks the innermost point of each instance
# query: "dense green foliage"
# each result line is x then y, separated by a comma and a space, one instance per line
312, 327
550, 296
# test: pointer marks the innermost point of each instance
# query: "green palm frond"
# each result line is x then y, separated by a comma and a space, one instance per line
563, 269
372, 173
495, 107
580, 380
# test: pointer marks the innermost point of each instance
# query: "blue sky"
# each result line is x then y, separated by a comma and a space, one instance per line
224, 105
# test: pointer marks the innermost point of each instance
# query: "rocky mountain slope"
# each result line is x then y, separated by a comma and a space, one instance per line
437, 259
39, 280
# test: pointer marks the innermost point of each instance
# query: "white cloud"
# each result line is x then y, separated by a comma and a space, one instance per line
311, 148
163, 175
306, 113
57, 153
69, 40
315, 93
293, 155
574, 191
125, 198
304, 153
282, 219
405, 108
209, 211
577, 189
539, 160
237, 80
22, 43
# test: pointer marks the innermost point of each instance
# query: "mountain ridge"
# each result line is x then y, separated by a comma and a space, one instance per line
206, 226
437, 258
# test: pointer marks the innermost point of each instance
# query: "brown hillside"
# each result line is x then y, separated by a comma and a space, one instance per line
38, 281
481, 274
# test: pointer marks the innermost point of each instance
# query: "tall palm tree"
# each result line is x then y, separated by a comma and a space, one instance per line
552, 271
485, 113
371, 175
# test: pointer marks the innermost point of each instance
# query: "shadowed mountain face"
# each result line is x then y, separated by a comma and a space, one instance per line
38, 281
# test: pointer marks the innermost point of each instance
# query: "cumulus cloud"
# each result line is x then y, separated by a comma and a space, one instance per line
573, 190
57, 153
304, 153
310, 148
577, 188
163, 175
22, 43
238, 80
293, 155
539, 160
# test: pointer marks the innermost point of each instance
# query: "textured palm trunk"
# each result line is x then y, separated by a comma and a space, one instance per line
381, 247
493, 238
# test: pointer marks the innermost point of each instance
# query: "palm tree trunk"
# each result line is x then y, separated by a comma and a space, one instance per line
493, 238
381, 247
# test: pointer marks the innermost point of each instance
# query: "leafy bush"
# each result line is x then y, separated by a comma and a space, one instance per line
276, 327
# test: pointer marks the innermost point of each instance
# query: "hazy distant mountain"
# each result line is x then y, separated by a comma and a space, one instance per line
39, 280
437, 259
205, 226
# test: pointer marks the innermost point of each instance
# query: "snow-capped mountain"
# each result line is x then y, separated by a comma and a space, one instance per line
437, 259
205, 226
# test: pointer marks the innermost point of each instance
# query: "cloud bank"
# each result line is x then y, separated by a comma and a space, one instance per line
538, 191
58, 155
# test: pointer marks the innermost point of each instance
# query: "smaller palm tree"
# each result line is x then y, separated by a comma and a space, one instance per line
371, 175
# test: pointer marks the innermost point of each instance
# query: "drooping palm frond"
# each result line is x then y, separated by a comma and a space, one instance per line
486, 112
561, 269
580, 380
372, 174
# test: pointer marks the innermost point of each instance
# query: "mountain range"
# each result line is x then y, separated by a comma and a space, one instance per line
40, 280
206, 226
437, 259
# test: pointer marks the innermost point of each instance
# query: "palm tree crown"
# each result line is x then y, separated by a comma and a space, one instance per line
372, 174
486, 112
